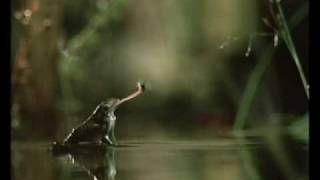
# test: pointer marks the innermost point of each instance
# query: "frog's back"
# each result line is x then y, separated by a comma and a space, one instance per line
89, 132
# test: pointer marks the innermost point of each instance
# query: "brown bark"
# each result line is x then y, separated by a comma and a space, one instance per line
35, 78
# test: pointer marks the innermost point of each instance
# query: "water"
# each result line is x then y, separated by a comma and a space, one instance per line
221, 159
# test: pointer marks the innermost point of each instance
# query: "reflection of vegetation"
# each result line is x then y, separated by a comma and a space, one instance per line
97, 162
277, 149
249, 164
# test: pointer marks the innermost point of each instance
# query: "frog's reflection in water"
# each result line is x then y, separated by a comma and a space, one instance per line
98, 162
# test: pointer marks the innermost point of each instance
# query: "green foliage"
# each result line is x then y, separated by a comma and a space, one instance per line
299, 129
252, 88
286, 36
89, 66
256, 76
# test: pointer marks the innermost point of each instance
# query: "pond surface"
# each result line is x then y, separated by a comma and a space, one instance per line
221, 159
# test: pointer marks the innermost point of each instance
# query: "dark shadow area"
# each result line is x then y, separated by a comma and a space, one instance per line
96, 161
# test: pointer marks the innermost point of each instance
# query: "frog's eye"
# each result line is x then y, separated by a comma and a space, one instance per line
103, 106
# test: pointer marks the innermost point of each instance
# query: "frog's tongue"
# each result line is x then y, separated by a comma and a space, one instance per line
139, 91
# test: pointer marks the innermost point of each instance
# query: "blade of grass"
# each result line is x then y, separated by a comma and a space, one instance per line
285, 33
251, 87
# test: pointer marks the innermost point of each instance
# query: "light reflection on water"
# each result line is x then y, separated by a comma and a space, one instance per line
135, 160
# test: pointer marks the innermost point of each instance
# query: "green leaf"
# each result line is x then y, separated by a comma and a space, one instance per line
299, 129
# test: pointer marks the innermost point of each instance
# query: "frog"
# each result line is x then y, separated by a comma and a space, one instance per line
99, 127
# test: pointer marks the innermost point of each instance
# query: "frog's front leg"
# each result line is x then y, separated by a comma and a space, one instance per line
113, 138
107, 140
110, 138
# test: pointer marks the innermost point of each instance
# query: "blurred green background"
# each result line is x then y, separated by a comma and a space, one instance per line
67, 56
213, 69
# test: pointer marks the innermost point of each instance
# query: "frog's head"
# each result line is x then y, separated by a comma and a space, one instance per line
109, 105
106, 108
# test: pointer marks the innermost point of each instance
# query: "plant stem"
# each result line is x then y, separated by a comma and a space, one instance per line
285, 33
251, 88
